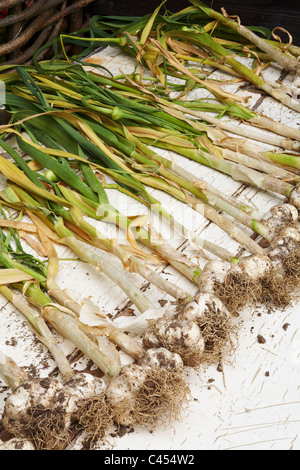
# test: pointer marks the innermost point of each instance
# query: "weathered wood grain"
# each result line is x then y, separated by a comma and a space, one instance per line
254, 402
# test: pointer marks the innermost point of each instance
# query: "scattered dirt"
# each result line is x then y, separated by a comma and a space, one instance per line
261, 339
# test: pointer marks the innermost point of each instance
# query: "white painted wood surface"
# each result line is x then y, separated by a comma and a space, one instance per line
254, 403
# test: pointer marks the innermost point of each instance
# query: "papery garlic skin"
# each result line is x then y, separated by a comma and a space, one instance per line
255, 266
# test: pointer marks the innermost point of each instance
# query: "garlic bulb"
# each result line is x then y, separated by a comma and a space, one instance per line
283, 246
283, 215
294, 197
171, 332
214, 272
17, 444
150, 390
31, 400
202, 305
288, 232
161, 358
181, 336
287, 212
255, 266
121, 393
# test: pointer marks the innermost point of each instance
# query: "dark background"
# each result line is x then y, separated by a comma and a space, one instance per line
269, 13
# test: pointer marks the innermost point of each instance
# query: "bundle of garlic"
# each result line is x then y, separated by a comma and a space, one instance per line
201, 331
42, 411
271, 277
204, 331
154, 387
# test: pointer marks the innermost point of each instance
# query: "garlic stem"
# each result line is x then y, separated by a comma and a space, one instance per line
118, 276
68, 327
41, 330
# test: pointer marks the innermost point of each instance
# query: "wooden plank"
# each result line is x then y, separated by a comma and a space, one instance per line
253, 402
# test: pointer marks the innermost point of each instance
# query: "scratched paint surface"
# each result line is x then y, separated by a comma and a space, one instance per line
253, 403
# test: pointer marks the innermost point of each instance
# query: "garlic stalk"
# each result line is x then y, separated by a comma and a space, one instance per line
41, 330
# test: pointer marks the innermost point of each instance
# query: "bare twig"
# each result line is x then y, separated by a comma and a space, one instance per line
35, 26
30, 12
68, 11
14, 29
31, 50
55, 31
6, 4
42, 21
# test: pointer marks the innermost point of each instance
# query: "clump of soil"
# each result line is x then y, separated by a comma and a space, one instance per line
46, 429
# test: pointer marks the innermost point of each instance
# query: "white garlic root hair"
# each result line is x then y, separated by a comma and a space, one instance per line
217, 327
151, 391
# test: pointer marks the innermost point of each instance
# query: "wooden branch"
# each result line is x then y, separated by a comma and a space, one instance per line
35, 26
55, 31
33, 10
31, 50
42, 21
68, 11
7, 4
